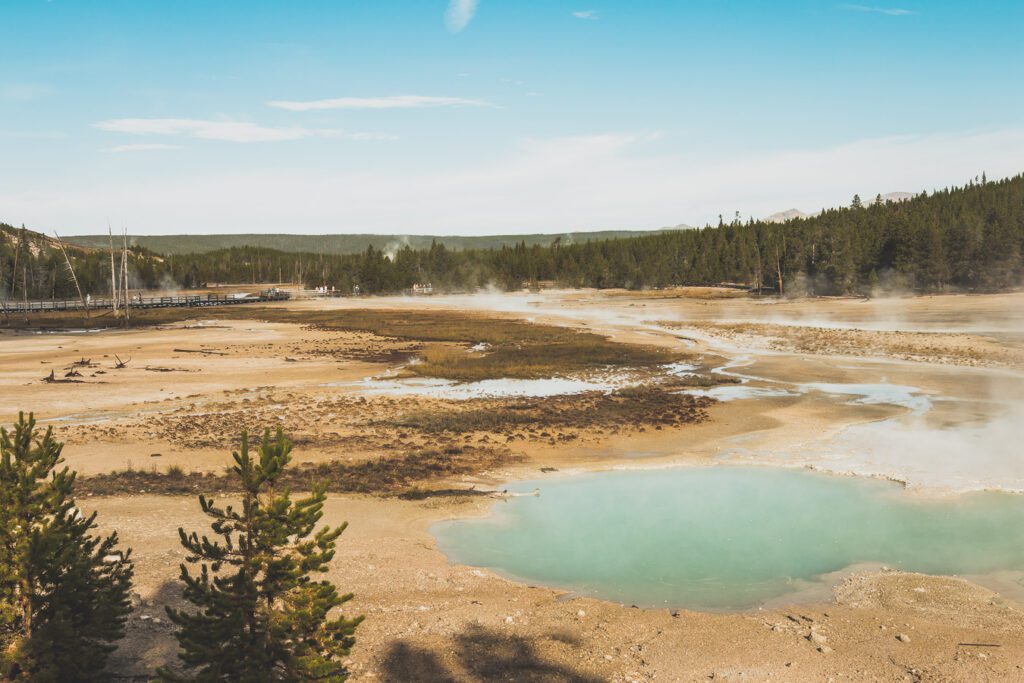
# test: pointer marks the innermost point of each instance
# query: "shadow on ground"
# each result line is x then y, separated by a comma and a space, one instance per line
478, 654
150, 642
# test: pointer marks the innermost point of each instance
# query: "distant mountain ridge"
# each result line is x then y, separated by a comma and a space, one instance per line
793, 214
347, 244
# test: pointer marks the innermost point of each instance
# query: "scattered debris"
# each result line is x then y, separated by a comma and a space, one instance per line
52, 379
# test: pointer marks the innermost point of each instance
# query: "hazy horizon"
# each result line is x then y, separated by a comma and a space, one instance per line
482, 117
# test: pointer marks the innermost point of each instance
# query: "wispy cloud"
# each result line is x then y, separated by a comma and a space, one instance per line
23, 92
140, 147
392, 102
368, 136
891, 11
590, 14
33, 135
595, 182
459, 14
229, 131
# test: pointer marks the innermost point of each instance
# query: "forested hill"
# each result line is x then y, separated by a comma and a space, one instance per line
344, 244
969, 238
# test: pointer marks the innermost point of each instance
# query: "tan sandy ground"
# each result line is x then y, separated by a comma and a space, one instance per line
428, 620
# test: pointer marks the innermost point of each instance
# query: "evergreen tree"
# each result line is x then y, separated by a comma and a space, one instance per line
970, 237
261, 617
64, 593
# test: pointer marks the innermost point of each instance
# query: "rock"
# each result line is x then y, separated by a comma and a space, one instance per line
581, 614
824, 649
902, 637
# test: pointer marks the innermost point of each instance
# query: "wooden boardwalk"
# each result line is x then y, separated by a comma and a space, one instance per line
140, 302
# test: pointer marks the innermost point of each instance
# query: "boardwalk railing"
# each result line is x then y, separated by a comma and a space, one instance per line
138, 302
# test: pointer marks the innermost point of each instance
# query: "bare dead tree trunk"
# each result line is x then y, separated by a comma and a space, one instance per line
113, 273
778, 269
14, 269
124, 276
71, 270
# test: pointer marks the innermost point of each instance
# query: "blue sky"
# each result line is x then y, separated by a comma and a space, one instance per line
438, 116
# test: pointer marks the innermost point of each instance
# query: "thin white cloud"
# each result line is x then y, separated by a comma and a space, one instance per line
140, 147
891, 11
33, 135
590, 182
459, 14
589, 14
229, 131
23, 92
391, 102
368, 136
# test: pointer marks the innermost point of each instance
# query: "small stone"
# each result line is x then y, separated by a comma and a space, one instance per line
508, 620
581, 613
902, 637
824, 649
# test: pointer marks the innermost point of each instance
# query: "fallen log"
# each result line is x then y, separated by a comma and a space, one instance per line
211, 353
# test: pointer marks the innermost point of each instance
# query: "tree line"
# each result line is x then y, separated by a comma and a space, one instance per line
257, 614
968, 238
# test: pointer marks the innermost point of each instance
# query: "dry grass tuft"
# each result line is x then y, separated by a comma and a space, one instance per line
383, 476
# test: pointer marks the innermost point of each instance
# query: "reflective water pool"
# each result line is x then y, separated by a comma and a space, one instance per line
727, 538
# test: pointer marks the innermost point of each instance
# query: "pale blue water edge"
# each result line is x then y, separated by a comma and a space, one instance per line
729, 538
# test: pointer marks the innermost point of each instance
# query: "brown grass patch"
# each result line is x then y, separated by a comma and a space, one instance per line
515, 348
383, 476
643, 406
